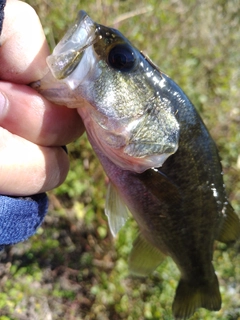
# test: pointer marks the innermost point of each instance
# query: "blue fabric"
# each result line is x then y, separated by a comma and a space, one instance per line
20, 217
2, 5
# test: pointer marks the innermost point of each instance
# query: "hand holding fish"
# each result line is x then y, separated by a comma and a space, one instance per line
32, 129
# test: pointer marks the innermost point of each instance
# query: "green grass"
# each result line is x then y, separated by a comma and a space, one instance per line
72, 268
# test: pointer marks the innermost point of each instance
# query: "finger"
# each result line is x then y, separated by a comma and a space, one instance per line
23, 48
27, 114
26, 168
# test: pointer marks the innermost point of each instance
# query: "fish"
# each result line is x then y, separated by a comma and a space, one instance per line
162, 163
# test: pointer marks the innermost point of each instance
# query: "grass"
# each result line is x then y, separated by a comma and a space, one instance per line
72, 269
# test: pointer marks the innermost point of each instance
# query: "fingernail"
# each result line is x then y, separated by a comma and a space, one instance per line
3, 104
65, 149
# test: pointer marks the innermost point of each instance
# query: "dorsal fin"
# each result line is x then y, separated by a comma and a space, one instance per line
230, 229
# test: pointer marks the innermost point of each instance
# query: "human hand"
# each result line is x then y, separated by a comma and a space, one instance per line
32, 130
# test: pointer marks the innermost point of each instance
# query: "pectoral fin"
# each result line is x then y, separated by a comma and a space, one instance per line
144, 257
161, 187
115, 210
230, 229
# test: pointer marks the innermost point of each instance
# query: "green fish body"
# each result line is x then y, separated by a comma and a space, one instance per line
162, 163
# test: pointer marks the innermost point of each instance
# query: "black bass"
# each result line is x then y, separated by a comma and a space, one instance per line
161, 161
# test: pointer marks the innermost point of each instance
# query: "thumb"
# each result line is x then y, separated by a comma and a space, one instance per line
23, 48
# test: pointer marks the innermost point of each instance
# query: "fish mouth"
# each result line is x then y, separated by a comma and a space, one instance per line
65, 58
68, 53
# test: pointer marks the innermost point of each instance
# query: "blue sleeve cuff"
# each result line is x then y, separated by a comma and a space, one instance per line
20, 217
2, 5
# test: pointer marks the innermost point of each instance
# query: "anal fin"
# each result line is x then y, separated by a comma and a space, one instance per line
230, 229
144, 257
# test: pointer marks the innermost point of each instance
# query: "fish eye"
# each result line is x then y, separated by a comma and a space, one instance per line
121, 57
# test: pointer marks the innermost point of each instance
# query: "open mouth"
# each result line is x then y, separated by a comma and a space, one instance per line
69, 51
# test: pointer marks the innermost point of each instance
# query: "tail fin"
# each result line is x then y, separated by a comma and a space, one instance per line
191, 296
